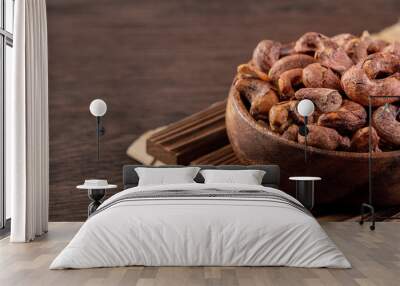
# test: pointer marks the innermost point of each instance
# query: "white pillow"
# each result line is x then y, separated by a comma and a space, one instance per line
164, 176
248, 177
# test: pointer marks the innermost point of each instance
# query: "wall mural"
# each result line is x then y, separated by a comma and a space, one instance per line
345, 77
220, 98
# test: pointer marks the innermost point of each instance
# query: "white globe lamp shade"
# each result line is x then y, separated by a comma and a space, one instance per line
305, 107
98, 107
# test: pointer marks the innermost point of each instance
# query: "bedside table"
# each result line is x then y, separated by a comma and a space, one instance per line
305, 190
96, 191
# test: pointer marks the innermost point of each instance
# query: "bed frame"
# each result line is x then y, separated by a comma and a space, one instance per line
271, 177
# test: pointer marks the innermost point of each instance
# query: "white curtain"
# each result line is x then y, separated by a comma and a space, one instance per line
27, 136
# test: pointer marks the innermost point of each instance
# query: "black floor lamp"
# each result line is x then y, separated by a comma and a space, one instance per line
305, 108
370, 205
98, 108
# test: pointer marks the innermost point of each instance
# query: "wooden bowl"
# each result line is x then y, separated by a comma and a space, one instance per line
344, 174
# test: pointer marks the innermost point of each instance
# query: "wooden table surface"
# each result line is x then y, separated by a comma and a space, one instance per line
155, 62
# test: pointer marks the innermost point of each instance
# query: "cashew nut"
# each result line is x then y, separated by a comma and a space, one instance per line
381, 65
324, 138
249, 70
356, 49
333, 56
393, 48
360, 140
374, 45
288, 82
260, 95
291, 133
279, 116
343, 39
326, 99
266, 54
299, 119
289, 63
327, 51
287, 49
316, 75
386, 122
348, 118
309, 42
377, 75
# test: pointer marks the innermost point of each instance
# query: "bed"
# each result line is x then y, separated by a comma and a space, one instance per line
198, 224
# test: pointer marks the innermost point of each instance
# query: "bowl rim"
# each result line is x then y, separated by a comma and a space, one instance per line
243, 112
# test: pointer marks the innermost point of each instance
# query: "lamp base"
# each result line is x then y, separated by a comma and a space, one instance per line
372, 212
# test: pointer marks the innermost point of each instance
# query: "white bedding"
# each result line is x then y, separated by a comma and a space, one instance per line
200, 231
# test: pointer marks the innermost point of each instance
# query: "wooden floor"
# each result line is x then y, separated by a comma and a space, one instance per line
375, 257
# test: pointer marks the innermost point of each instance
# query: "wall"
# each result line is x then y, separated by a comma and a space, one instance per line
155, 62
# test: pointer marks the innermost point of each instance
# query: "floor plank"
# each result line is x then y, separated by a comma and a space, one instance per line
375, 257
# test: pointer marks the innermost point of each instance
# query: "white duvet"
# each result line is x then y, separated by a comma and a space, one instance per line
200, 231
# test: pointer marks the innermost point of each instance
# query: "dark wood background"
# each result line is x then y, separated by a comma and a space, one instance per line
155, 62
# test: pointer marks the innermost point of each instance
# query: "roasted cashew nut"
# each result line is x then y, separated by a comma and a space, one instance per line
343, 39
266, 54
287, 49
377, 75
288, 82
289, 63
324, 138
381, 65
309, 42
280, 116
248, 70
291, 133
386, 122
260, 95
316, 75
326, 99
356, 49
333, 56
393, 48
348, 118
374, 45
360, 140
325, 51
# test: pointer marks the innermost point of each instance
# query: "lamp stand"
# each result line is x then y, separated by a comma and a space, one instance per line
369, 205
304, 132
100, 131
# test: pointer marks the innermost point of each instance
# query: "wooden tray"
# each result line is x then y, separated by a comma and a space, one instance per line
197, 137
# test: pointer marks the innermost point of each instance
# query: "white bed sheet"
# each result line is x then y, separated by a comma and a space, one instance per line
202, 232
